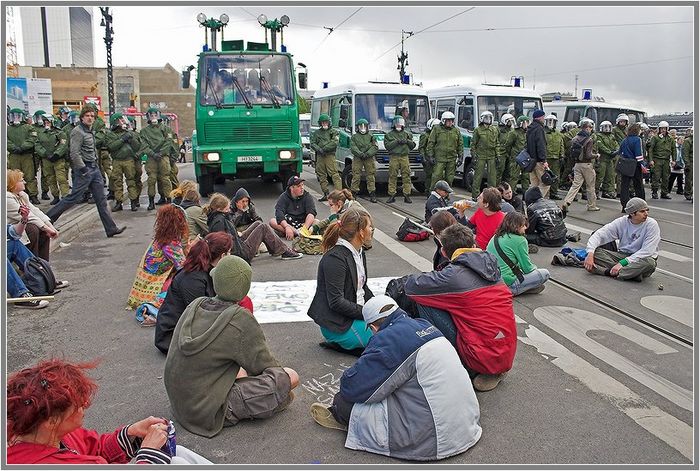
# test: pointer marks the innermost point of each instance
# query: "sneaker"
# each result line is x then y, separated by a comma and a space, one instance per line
323, 417
564, 209
610, 196
573, 237
323, 198
537, 290
291, 255
62, 284
532, 248
484, 382
34, 304
593, 208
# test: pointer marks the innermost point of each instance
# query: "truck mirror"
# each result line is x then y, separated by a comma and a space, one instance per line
302, 80
185, 79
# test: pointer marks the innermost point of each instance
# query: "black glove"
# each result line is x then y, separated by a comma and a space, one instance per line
83, 170
157, 155
402, 141
126, 137
16, 150
54, 157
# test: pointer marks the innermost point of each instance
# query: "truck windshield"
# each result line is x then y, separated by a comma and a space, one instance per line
599, 114
219, 87
380, 110
515, 105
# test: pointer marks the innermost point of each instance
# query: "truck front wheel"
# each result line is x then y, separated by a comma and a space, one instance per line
206, 184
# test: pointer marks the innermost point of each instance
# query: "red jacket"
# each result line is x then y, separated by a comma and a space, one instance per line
471, 290
83, 447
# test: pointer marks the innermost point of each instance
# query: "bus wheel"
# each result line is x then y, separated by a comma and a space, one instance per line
206, 184
347, 177
420, 187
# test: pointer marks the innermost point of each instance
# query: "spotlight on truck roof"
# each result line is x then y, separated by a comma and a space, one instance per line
202, 18
262, 19
224, 18
284, 20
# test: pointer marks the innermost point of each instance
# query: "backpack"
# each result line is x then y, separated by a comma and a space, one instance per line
307, 245
38, 277
396, 290
409, 231
576, 150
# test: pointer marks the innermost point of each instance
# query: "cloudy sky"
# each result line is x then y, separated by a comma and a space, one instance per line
633, 54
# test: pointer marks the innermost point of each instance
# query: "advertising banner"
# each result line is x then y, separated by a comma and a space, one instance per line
29, 95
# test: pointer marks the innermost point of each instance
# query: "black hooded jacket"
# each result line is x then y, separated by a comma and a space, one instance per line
536, 141
546, 220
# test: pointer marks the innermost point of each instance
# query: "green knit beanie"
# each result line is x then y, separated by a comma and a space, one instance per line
232, 277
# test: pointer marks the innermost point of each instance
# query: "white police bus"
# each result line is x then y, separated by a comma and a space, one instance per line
467, 102
378, 103
568, 108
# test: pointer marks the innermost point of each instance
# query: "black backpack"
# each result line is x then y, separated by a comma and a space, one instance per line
396, 290
38, 277
576, 150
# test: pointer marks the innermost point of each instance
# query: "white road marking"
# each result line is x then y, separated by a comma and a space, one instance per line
673, 307
674, 432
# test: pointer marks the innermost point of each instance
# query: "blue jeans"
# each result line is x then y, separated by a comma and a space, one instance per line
444, 323
535, 278
356, 336
92, 180
17, 253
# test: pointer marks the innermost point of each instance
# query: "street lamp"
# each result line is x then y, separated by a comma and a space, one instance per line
109, 31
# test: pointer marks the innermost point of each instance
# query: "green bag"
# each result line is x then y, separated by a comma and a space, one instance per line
307, 246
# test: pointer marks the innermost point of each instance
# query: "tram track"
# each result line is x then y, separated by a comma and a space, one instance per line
570, 287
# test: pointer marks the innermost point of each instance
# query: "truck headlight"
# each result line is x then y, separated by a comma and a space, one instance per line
211, 156
286, 154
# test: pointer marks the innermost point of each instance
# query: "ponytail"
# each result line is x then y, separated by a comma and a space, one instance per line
330, 236
207, 250
350, 223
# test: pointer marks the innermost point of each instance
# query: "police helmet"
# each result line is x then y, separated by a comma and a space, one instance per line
362, 125
507, 119
523, 121
152, 114
324, 117
74, 117
432, 122
662, 124
486, 117
688, 132
399, 121
48, 117
38, 114
622, 117
63, 110
548, 177
644, 126
15, 114
551, 121
587, 121
447, 115
570, 125
606, 126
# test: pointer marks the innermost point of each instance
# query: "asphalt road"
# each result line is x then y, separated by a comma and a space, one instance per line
589, 385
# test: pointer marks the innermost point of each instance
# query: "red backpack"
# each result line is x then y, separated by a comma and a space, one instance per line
411, 232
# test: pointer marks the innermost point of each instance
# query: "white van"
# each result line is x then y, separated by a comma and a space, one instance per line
567, 109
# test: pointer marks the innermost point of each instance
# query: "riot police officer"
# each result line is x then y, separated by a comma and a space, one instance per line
555, 151
484, 150
363, 147
605, 173
123, 147
505, 126
54, 166
324, 141
662, 150
446, 147
155, 144
398, 142
515, 143
20, 145
427, 161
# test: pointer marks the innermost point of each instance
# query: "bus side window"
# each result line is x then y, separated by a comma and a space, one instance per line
465, 118
592, 113
315, 111
433, 108
573, 114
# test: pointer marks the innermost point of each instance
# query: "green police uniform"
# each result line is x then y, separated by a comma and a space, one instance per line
502, 170
555, 153
619, 134
605, 173
364, 150
661, 151
123, 147
516, 142
325, 142
53, 165
155, 144
398, 144
39, 128
687, 151
567, 165
484, 149
445, 146
104, 160
427, 161
20, 145
174, 156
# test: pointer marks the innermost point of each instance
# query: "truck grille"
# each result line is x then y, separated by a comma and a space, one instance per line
257, 133
413, 157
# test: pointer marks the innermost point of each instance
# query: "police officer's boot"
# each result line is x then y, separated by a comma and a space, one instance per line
162, 200
110, 195
372, 197
407, 199
135, 205
391, 199
117, 207
168, 200
151, 203
54, 200
324, 197
655, 195
34, 200
45, 195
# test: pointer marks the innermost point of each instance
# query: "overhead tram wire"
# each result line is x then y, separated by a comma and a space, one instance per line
422, 30
616, 66
512, 28
330, 30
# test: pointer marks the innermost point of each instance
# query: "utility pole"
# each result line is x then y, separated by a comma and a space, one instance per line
575, 85
44, 35
403, 57
109, 31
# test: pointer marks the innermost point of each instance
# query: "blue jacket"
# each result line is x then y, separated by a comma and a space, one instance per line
413, 398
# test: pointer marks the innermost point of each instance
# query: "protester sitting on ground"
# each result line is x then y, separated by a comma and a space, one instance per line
545, 220
487, 217
39, 231
339, 201
408, 395
164, 256
187, 197
518, 272
638, 238
468, 301
46, 404
439, 200
508, 197
219, 369
192, 282
294, 208
438, 223
341, 284
246, 243
244, 213
17, 253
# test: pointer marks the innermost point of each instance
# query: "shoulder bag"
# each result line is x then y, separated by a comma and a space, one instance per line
511, 264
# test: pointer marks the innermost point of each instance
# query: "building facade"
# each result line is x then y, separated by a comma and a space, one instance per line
69, 36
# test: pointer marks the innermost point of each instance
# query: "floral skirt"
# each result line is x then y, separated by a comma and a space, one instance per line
147, 287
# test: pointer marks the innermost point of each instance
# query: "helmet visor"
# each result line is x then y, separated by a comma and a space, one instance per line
362, 128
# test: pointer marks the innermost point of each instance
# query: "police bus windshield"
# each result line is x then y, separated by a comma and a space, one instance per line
246, 80
515, 105
380, 111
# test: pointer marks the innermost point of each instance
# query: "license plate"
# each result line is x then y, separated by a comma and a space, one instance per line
250, 158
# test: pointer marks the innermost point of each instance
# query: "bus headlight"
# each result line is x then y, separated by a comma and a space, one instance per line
211, 156
286, 154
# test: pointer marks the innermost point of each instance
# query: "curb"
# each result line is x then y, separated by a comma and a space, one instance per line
73, 222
